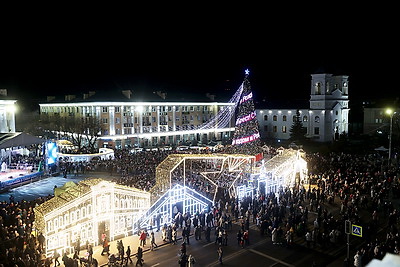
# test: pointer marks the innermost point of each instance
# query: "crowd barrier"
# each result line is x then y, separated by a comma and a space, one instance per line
5, 185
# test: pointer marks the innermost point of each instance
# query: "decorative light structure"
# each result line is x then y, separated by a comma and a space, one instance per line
186, 198
86, 210
234, 165
287, 169
246, 138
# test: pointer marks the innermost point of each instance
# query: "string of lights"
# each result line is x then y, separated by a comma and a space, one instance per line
246, 137
223, 117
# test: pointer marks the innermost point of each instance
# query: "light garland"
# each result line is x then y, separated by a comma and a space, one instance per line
281, 170
246, 97
246, 139
81, 210
246, 118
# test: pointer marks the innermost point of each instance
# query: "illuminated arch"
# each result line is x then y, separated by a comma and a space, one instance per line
234, 164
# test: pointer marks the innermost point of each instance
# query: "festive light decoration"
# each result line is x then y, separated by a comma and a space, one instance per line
246, 137
190, 200
86, 210
246, 118
246, 97
281, 171
224, 165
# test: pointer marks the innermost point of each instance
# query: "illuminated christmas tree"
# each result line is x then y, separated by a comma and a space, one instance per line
246, 138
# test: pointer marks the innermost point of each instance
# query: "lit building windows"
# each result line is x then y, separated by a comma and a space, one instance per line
318, 88
316, 119
275, 118
305, 118
284, 118
284, 129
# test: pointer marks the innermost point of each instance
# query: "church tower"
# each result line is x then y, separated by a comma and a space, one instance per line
329, 107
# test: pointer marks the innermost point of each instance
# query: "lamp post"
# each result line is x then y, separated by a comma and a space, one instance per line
390, 112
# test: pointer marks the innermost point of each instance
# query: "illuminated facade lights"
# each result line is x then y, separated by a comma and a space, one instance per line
86, 210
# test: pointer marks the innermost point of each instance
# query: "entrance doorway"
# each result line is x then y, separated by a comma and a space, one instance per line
103, 231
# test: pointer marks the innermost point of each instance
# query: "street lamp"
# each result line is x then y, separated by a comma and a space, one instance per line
390, 112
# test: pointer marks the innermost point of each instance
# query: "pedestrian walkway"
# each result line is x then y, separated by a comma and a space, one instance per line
132, 241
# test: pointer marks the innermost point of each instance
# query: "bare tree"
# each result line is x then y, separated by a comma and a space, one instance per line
82, 132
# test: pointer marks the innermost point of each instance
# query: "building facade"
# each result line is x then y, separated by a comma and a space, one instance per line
325, 119
130, 122
88, 210
7, 113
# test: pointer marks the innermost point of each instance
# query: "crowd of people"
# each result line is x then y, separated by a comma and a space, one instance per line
356, 184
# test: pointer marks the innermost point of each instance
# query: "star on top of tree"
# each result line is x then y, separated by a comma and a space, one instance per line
247, 72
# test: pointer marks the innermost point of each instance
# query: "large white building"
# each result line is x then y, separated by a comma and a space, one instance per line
7, 113
132, 119
325, 119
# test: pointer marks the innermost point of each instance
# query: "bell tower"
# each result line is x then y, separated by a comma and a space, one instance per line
329, 107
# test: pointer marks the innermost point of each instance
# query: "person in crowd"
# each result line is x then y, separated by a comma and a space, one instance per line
220, 254
139, 257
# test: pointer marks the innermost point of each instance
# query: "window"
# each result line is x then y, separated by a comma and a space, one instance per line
284, 118
275, 129
318, 88
275, 118
294, 118
104, 120
117, 109
316, 119
105, 109
284, 129
117, 120
265, 117
305, 118
316, 130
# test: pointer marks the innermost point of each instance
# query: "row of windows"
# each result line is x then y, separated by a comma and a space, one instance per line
284, 129
284, 118
90, 111
161, 108
275, 129
69, 217
318, 88
76, 215
162, 119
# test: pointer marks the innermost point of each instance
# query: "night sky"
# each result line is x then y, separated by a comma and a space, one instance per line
67, 55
